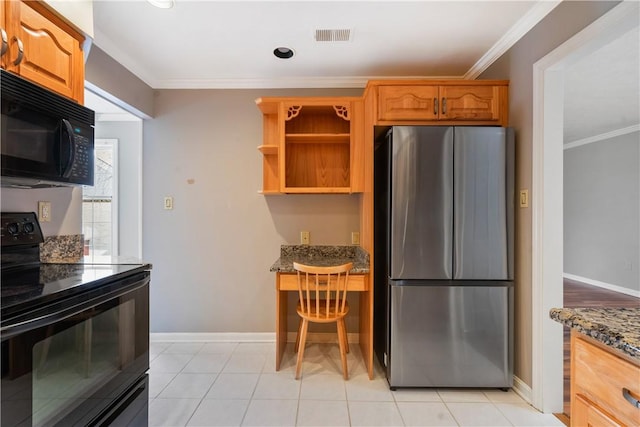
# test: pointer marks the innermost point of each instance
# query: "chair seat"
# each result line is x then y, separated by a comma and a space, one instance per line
321, 316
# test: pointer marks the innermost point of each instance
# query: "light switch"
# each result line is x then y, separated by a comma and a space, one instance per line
524, 198
168, 203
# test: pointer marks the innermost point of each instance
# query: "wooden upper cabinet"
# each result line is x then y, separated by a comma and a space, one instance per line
50, 50
443, 102
408, 102
311, 145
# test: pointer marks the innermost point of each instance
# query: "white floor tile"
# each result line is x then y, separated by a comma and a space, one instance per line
416, 395
233, 386
158, 381
184, 348
323, 413
374, 414
453, 395
219, 347
255, 347
361, 388
171, 412
188, 386
477, 414
206, 363
426, 414
271, 413
525, 415
214, 412
323, 387
277, 386
499, 396
240, 363
170, 363
155, 348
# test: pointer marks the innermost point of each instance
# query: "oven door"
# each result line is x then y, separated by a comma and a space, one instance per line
80, 361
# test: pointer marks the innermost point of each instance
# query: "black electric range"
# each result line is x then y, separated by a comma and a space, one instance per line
86, 323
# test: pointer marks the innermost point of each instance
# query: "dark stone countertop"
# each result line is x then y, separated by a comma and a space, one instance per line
321, 256
618, 328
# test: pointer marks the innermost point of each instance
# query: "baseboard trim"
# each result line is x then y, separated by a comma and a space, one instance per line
212, 337
603, 285
522, 389
315, 337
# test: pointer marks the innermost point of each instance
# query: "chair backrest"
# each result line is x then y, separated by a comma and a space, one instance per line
323, 290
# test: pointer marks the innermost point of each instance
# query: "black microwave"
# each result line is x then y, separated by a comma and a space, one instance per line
47, 139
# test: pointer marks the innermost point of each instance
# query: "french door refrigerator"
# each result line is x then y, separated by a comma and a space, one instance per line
443, 231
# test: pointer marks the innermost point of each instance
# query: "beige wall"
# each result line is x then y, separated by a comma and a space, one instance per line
517, 65
108, 78
211, 254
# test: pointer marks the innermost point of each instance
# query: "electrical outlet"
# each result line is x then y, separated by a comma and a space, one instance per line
355, 237
304, 237
44, 211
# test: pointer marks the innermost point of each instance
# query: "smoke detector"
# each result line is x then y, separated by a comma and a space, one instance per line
328, 35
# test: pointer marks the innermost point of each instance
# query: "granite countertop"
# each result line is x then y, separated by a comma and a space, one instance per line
618, 328
321, 256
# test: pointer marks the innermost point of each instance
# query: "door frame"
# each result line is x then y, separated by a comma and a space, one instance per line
547, 197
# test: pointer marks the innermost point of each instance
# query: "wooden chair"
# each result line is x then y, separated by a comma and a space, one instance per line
323, 299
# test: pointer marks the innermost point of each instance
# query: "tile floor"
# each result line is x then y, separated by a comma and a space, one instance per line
233, 384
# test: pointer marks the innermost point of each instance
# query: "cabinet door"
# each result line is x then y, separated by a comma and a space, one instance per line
52, 56
480, 103
583, 413
408, 102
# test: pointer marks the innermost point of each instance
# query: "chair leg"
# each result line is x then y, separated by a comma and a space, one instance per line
344, 328
342, 341
298, 336
303, 339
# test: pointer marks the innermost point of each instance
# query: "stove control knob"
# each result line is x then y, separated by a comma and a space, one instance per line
13, 228
28, 227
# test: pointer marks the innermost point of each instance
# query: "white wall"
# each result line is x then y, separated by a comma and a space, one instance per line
602, 211
211, 254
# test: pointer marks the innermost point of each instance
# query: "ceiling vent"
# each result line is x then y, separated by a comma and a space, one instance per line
333, 35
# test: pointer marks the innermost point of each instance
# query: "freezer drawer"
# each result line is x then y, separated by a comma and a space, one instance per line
451, 336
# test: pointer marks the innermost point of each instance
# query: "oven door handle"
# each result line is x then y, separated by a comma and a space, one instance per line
46, 320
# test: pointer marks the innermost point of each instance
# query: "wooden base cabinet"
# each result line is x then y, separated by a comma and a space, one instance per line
311, 145
43, 48
605, 385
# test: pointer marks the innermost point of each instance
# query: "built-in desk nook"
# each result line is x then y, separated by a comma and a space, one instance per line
286, 281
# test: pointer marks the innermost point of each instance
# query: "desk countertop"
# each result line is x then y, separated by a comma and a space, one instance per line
321, 256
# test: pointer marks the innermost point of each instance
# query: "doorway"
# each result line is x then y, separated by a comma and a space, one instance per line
547, 224
118, 135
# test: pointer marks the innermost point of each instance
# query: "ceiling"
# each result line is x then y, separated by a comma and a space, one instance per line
229, 44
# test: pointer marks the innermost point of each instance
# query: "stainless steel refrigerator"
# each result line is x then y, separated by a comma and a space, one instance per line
443, 285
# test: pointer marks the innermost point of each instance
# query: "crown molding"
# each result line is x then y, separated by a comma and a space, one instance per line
511, 37
602, 136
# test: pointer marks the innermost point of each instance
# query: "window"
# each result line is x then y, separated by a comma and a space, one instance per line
99, 203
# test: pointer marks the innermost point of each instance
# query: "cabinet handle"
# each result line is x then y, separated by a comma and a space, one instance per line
435, 106
444, 105
627, 395
20, 51
5, 42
